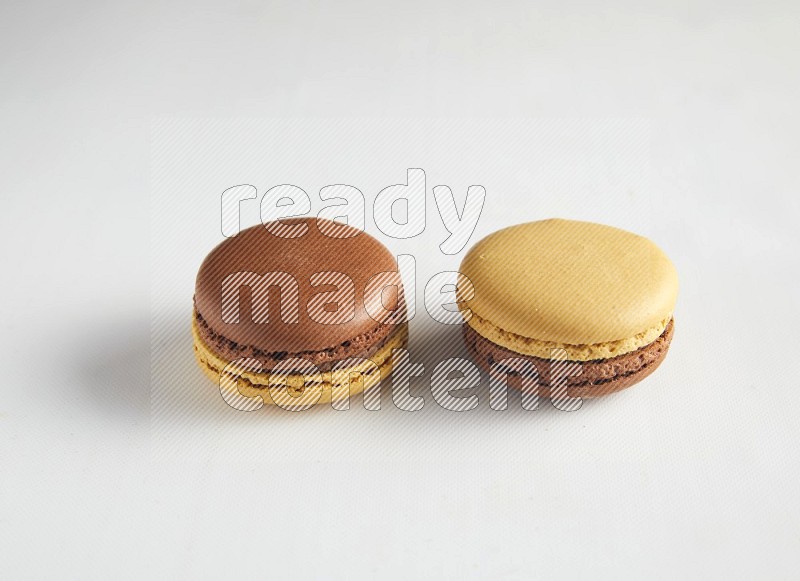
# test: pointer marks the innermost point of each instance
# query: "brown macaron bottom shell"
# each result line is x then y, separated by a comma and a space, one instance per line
299, 390
597, 377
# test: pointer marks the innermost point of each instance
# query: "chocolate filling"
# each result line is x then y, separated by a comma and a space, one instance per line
364, 345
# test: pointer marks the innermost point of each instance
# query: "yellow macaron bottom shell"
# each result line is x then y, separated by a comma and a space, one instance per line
585, 352
298, 390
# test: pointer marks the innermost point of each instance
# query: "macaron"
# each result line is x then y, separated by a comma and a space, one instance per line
588, 294
299, 312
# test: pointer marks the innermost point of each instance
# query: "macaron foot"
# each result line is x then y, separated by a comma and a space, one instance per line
596, 378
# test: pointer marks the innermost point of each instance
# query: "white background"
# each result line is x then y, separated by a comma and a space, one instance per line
678, 122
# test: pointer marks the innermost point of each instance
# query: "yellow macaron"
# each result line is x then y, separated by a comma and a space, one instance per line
603, 295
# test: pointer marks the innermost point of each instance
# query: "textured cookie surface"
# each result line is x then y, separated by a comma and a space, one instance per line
570, 283
267, 295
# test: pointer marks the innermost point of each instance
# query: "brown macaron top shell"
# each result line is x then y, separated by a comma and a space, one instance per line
307, 258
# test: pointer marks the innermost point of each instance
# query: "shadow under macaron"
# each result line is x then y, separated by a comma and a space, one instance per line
137, 370
112, 366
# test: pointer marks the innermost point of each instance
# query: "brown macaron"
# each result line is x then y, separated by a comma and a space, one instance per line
298, 312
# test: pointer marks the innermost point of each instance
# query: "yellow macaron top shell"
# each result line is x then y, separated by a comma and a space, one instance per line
569, 283
574, 352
